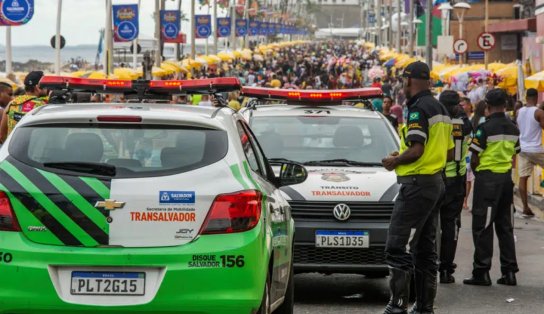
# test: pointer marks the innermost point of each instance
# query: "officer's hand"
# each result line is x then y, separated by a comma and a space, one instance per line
390, 162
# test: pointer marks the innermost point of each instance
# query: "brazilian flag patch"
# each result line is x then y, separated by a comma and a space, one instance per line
478, 133
414, 116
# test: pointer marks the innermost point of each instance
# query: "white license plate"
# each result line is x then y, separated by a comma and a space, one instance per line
107, 283
342, 239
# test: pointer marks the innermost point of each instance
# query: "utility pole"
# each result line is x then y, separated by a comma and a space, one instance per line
429, 21
411, 29
233, 26
215, 38
108, 38
399, 19
390, 28
158, 33
57, 39
193, 30
9, 57
246, 17
486, 60
379, 20
177, 46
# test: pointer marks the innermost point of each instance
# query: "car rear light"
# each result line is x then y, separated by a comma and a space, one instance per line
8, 221
236, 212
119, 118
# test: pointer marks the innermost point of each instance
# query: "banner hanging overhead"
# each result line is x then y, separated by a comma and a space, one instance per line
125, 22
223, 27
170, 25
203, 26
241, 27
254, 27
16, 12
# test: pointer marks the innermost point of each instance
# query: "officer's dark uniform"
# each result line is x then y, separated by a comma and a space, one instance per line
412, 232
495, 142
455, 181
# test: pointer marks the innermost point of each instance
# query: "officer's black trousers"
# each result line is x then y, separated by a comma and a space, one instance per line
412, 232
450, 220
492, 205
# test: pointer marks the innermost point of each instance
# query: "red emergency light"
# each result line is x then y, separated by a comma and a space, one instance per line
312, 95
172, 87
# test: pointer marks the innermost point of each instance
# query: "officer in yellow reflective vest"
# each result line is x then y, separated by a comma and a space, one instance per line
495, 143
426, 144
34, 97
455, 181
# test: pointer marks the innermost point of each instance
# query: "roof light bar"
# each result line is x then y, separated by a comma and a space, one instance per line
312, 95
85, 84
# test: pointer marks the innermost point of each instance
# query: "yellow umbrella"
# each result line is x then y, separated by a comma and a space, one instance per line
78, 73
125, 74
535, 81
237, 53
175, 64
212, 59
509, 76
226, 55
170, 68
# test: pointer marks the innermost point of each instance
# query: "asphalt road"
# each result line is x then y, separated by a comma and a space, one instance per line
344, 294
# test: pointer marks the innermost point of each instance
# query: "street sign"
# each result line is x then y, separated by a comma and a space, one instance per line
16, 12
460, 46
54, 42
486, 41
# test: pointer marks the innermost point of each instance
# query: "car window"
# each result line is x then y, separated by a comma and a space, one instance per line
258, 152
309, 138
248, 149
135, 151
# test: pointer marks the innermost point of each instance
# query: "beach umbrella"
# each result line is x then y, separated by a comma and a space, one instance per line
125, 73
535, 81
258, 57
391, 62
226, 56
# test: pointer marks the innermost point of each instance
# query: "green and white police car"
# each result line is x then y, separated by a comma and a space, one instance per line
142, 208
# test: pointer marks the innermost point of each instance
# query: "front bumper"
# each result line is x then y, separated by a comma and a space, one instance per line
29, 285
309, 258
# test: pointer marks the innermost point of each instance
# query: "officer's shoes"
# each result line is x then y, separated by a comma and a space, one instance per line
508, 279
446, 277
478, 280
393, 309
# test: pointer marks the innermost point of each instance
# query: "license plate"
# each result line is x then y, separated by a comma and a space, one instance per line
107, 283
342, 239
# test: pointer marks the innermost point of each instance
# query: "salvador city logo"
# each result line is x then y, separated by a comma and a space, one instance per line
16, 11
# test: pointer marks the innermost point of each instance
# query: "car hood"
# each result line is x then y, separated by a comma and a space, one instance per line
348, 184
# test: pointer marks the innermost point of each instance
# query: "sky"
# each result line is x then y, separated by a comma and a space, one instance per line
81, 21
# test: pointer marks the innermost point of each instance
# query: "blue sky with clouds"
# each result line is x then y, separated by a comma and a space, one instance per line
81, 20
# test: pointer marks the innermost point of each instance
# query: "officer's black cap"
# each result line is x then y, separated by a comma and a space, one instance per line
531, 92
33, 78
496, 97
449, 98
417, 70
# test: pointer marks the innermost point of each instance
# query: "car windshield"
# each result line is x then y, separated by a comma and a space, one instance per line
118, 151
324, 139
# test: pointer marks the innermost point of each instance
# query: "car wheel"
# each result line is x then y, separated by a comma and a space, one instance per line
265, 303
288, 304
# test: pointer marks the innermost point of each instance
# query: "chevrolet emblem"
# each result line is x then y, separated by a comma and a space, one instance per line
109, 204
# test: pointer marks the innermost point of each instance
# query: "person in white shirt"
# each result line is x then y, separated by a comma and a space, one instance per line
530, 121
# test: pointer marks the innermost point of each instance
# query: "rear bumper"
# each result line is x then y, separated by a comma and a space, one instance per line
309, 258
28, 284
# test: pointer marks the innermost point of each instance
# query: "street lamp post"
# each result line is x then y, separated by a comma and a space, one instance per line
416, 22
445, 8
461, 9
411, 31
399, 20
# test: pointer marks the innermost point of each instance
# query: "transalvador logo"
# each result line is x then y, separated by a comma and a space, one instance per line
341, 212
176, 197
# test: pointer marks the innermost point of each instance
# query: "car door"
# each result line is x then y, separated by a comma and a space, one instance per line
278, 213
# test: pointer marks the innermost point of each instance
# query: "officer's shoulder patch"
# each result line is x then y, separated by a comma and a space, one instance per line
414, 116
479, 133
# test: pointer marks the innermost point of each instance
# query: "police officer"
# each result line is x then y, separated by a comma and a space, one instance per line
425, 144
455, 173
34, 97
493, 146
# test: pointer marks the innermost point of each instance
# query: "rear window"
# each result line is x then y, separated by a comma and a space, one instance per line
134, 151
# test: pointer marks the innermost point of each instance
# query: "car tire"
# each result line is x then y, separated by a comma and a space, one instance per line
265, 303
288, 305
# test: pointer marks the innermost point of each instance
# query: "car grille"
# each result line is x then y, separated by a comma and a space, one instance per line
360, 211
308, 254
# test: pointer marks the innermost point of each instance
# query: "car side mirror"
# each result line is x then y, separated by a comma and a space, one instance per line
291, 173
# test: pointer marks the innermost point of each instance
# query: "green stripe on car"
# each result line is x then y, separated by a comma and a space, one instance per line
50, 206
97, 186
235, 169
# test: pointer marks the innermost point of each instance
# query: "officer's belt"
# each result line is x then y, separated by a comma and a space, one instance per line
421, 179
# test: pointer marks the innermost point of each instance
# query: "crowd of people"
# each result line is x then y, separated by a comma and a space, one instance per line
451, 142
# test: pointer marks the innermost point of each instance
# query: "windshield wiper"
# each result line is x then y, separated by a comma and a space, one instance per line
87, 167
344, 162
279, 160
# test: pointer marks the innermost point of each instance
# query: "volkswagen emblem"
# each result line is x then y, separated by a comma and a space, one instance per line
341, 212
